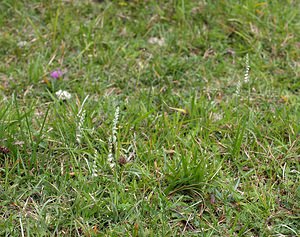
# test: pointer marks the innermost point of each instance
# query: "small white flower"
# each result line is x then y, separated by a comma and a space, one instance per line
63, 95
158, 41
22, 44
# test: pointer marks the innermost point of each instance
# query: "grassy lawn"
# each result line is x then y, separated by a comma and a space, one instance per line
182, 118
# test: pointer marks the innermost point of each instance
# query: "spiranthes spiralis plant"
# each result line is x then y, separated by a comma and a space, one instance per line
94, 166
238, 140
112, 140
80, 120
79, 126
246, 76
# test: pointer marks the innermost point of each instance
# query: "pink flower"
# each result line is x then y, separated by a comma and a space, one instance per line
56, 74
